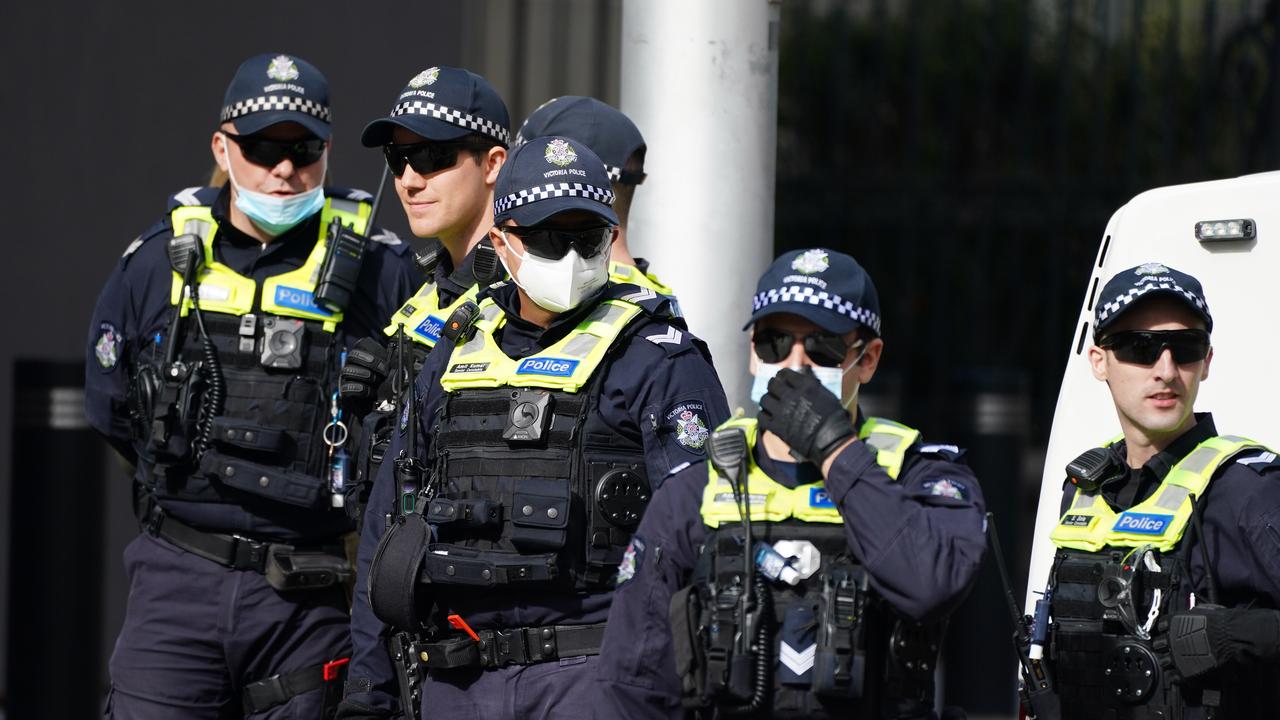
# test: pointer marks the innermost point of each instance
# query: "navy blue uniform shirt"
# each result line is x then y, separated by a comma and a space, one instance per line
921, 539
131, 321
1240, 512
648, 378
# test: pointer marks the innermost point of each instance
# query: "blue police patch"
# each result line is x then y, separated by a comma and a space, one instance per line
107, 349
554, 367
1142, 523
820, 498
688, 420
298, 299
430, 328
631, 560
945, 487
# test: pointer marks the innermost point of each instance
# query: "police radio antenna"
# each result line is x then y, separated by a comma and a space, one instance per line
377, 196
1037, 690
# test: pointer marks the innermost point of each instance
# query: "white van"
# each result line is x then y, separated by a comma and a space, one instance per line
1181, 226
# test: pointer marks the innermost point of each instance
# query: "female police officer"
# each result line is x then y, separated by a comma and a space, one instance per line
213, 365
858, 552
543, 427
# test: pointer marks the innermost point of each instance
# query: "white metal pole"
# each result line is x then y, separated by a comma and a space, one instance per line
700, 79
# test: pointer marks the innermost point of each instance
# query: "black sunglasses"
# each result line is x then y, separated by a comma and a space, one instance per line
555, 243
1144, 347
424, 157
268, 153
824, 348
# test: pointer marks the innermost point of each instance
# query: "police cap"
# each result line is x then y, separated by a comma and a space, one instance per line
828, 288
444, 103
274, 88
1150, 279
549, 175
603, 128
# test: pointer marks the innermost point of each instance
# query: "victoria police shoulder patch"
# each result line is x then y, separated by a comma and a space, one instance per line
946, 487
107, 348
688, 420
631, 560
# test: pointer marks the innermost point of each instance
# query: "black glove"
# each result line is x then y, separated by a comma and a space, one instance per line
805, 415
1206, 638
366, 368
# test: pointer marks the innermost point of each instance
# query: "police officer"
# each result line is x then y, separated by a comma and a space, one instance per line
863, 537
612, 136
444, 142
213, 367
544, 427
1164, 589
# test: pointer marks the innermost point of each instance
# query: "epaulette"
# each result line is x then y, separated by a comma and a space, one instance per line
196, 196
654, 304
1260, 461
353, 194
950, 453
677, 469
157, 229
390, 239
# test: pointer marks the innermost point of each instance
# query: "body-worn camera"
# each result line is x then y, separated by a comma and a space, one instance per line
282, 343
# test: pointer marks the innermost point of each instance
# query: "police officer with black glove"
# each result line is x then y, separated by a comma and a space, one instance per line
444, 141
542, 422
862, 537
213, 365
615, 138
1164, 588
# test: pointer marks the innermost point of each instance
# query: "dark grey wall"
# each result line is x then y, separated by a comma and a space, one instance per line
106, 108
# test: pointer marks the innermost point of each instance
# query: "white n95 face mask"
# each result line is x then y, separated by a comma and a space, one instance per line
560, 285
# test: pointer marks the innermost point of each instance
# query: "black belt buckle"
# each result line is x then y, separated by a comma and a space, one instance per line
249, 554
508, 647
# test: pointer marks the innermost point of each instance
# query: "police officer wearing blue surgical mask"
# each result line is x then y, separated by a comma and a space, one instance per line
863, 538
213, 367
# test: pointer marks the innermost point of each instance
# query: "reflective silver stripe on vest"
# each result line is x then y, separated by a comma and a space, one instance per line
199, 228
883, 441
347, 206
1171, 497
1197, 461
581, 346
1083, 500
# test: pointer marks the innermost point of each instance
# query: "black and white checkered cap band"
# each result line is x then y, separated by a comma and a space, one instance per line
553, 190
287, 103
1108, 309
813, 296
453, 117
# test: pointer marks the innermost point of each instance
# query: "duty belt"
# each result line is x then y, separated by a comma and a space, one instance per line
233, 551
512, 646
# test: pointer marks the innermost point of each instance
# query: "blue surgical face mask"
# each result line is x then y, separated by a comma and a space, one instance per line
832, 378
275, 214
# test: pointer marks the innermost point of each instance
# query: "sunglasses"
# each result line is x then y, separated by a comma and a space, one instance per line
268, 153
555, 243
824, 348
424, 157
1144, 347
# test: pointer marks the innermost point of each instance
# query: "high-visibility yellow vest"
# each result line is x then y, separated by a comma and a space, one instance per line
771, 501
1091, 525
289, 294
567, 365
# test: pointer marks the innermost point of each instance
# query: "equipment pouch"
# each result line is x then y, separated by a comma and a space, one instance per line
292, 569
273, 483
393, 574
454, 652
540, 514
686, 613
466, 513
839, 666
247, 435
456, 565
